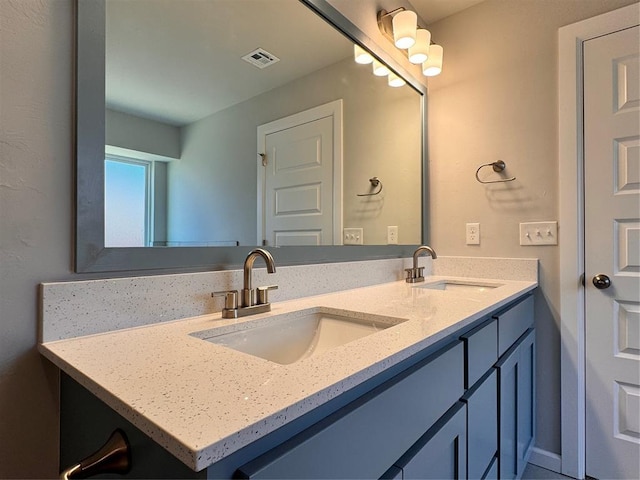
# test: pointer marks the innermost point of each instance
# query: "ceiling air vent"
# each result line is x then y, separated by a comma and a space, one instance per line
260, 58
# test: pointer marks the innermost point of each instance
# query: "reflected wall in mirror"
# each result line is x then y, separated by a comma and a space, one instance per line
172, 141
204, 148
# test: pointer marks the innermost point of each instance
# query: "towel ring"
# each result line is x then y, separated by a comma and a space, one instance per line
498, 166
375, 182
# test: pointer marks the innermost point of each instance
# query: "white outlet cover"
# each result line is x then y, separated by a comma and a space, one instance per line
473, 234
392, 235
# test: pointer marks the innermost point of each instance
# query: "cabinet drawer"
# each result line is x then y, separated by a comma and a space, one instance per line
394, 473
492, 472
366, 437
441, 452
513, 323
482, 425
480, 351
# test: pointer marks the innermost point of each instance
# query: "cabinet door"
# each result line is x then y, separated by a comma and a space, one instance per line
441, 452
516, 400
526, 399
482, 425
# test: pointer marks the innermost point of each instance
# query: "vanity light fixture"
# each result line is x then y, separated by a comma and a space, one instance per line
380, 69
395, 81
420, 50
433, 64
361, 56
404, 24
401, 28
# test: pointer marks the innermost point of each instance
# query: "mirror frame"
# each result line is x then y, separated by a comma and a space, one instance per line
91, 255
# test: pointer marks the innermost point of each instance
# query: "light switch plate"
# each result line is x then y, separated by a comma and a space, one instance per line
353, 236
539, 233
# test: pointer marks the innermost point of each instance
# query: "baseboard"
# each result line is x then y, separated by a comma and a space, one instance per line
543, 458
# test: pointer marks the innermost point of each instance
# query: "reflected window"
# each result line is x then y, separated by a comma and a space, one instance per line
127, 205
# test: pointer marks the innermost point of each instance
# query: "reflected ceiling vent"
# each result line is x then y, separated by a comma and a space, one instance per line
260, 58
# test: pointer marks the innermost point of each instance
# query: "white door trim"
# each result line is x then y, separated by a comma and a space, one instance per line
571, 215
331, 109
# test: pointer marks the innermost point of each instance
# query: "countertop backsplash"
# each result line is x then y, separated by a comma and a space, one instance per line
73, 309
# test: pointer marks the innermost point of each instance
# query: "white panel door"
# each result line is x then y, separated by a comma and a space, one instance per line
612, 249
299, 185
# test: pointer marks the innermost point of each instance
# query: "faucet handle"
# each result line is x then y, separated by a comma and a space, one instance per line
263, 294
230, 298
415, 275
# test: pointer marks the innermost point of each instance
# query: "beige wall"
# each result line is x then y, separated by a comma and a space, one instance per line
497, 99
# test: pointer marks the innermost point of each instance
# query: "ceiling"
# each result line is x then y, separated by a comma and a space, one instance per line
433, 10
179, 61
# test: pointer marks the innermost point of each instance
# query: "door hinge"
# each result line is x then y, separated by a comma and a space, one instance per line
265, 243
264, 159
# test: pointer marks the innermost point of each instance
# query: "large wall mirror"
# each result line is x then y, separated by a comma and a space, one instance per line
206, 127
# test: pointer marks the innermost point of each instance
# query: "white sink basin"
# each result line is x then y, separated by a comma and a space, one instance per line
461, 286
290, 337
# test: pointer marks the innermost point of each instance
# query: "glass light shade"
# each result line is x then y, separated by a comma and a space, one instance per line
419, 52
395, 81
361, 56
404, 29
433, 65
380, 69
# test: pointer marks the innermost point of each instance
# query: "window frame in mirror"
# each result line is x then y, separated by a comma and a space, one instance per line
91, 255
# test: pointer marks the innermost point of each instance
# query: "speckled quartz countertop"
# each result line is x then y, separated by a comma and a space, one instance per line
202, 401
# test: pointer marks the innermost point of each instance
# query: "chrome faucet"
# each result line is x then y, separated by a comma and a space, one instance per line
248, 296
415, 274
252, 301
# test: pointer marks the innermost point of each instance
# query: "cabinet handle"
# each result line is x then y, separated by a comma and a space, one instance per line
113, 457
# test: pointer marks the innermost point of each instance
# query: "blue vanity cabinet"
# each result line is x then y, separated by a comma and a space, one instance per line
460, 408
499, 377
516, 379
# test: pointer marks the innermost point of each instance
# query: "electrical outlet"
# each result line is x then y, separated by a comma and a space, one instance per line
353, 236
473, 234
392, 235
539, 233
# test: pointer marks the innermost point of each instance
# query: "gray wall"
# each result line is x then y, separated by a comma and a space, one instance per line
142, 136
216, 177
36, 190
36, 203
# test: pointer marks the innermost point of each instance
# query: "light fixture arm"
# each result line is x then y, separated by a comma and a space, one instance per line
385, 24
